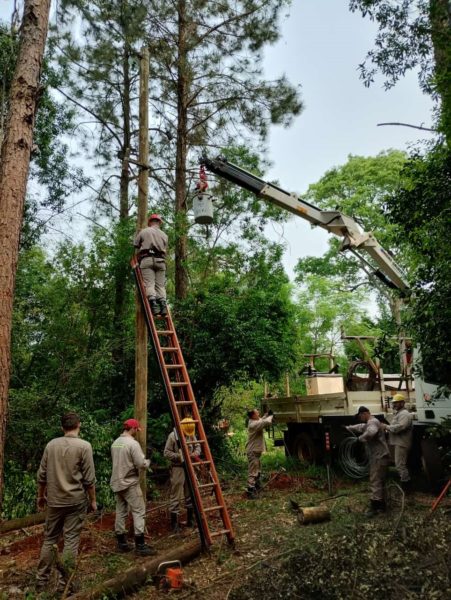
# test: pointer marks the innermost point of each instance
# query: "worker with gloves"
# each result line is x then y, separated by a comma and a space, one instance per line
128, 462
152, 245
400, 437
180, 491
255, 446
372, 434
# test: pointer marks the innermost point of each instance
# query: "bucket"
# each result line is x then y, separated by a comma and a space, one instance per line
203, 208
173, 576
313, 514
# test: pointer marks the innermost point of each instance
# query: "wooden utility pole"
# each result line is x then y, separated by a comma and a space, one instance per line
143, 190
14, 165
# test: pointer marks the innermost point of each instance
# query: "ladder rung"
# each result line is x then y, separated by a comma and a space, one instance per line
200, 462
206, 485
164, 332
187, 402
178, 383
213, 508
168, 349
171, 366
222, 532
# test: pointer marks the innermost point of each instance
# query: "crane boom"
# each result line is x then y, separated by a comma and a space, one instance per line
333, 221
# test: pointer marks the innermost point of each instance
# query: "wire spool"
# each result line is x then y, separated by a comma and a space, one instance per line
355, 383
353, 458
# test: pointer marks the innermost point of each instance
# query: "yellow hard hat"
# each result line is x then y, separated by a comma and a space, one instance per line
188, 426
399, 398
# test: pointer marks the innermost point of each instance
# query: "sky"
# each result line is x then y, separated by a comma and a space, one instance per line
321, 46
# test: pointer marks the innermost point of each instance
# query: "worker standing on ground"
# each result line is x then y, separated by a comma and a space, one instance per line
255, 447
128, 461
372, 434
66, 484
152, 245
400, 437
180, 491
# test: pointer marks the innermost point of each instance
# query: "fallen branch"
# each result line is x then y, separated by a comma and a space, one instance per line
138, 575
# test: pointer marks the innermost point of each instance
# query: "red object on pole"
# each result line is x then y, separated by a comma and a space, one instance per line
440, 497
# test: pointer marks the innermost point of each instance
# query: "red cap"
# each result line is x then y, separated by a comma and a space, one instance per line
132, 424
154, 217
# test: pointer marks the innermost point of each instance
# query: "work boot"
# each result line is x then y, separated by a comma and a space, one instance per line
251, 492
154, 307
189, 517
376, 507
141, 548
122, 544
175, 522
163, 307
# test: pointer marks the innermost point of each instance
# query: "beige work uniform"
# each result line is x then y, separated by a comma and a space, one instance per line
153, 268
67, 469
373, 435
255, 447
400, 437
128, 460
180, 491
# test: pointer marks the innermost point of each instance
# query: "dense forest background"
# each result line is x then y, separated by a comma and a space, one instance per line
240, 320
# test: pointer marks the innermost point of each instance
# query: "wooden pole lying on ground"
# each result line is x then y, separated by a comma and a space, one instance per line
138, 575
27, 521
141, 374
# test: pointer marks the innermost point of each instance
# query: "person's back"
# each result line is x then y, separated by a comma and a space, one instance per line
128, 459
69, 470
153, 239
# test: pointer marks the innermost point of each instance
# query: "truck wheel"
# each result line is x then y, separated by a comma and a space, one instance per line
305, 449
432, 462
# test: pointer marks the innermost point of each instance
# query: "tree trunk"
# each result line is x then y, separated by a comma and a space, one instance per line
120, 380
136, 576
15, 161
440, 17
181, 246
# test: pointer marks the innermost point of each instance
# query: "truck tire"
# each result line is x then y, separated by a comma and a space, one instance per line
431, 461
305, 449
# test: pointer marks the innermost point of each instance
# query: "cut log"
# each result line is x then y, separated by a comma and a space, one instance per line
138, 575
313, 514
28, 521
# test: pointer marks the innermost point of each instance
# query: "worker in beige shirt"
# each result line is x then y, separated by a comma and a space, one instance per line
373, 436
255, 447
66, 485
152, 245
180, 492
128, 461
400, 433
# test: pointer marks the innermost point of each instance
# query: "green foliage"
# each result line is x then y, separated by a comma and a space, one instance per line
19, 497
422, 209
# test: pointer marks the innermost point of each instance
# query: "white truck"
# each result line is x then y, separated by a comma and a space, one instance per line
314, 422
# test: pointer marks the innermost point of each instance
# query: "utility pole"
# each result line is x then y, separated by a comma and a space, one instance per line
143, 190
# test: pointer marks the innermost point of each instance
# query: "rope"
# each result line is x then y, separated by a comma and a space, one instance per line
354, 465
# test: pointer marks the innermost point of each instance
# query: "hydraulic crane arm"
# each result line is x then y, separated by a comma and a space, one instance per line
354, 239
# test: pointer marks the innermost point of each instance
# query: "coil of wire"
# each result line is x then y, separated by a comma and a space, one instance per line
353, 458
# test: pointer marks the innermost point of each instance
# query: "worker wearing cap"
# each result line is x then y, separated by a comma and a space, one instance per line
128, 461
400, 437
372, 434
152, 245
66, 486
180, 491
255, 447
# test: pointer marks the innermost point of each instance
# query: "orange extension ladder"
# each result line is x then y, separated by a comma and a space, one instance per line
203, 479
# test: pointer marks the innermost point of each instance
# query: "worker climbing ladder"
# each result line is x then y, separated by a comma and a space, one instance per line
201, 474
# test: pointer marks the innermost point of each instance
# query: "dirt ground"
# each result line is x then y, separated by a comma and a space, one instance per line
269, 542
